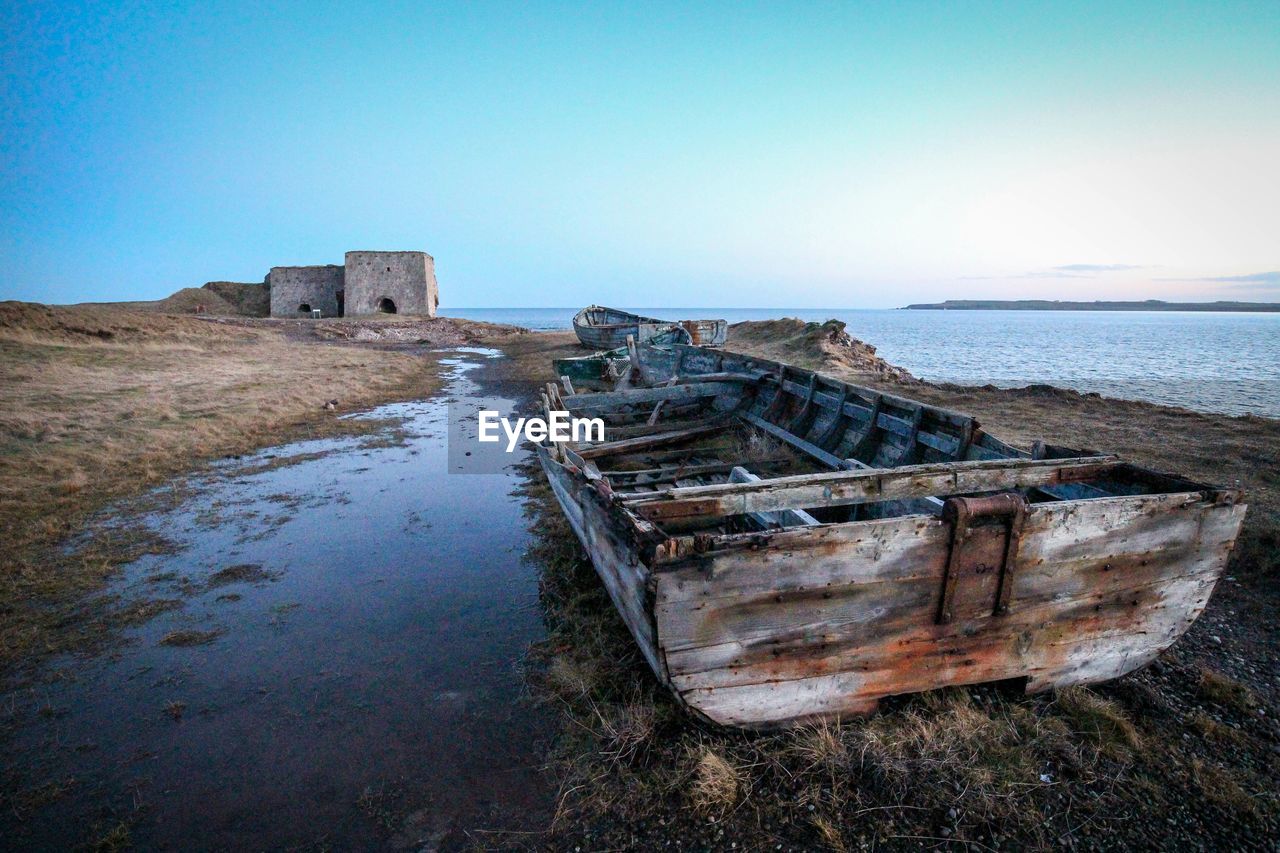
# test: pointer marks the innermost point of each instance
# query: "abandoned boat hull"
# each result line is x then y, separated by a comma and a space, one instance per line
602, 328
764, 602
602, 369
829, 620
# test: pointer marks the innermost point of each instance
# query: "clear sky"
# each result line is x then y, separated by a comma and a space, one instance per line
744, 154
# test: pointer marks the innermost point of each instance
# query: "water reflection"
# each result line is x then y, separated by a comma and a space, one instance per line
340, 671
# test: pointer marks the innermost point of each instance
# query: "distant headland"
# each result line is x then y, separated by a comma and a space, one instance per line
1056, 305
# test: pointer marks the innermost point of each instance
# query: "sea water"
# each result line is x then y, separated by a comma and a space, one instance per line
1209, 361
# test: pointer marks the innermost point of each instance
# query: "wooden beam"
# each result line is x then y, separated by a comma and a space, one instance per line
769, 520
867, 486
676, 472
617, 432
609, 399
796, 441
627, 445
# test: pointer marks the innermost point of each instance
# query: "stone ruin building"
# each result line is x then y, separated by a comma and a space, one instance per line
366, 283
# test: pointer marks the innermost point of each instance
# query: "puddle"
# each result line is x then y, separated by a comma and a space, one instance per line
342, 671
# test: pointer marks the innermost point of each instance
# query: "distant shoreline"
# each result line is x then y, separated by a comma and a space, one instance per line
1056, 305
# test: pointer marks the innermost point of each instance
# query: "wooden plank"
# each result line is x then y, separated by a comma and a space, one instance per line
615, 432
1099, 593
829, 437
856, 614
797, 425
914, 657
613, 399
886, 420
628, 445
676, 472
868, 485
629, 415
767, 520
897, 548
797, 377
794, 440
624, 577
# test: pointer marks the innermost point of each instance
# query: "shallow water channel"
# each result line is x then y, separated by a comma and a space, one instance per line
355, 618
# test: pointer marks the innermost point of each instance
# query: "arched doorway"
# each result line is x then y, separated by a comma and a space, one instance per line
386, 306
304, 308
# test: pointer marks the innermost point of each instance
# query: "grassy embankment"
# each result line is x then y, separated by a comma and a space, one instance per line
101, 402
1184, 751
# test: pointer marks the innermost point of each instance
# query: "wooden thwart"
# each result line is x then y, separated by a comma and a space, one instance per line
866, 486
627, 445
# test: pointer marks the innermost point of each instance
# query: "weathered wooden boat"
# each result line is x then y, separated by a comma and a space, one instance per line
603, 370
786, 546
603, 328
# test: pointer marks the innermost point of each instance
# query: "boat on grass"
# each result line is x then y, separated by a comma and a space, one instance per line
785, 546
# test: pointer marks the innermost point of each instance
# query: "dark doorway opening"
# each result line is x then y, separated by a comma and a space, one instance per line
304, 308
386, 306
342, 308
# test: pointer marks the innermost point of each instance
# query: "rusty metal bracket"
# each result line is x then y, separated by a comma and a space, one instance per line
985, 535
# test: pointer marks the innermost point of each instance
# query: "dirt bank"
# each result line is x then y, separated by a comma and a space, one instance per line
816, 346
1183, 753
102, 402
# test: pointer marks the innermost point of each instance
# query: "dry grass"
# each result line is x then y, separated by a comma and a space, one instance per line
818, 346
93, 402
1226, 691
187, 637
117, 838
1222, 788
1100, 721
99, 403
1210, 729
717, 782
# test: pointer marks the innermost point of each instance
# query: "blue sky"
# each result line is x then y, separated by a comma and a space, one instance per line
770, 155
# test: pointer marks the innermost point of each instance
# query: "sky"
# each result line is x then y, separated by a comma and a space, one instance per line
740, 154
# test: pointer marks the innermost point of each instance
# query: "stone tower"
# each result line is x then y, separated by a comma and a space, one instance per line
391, 282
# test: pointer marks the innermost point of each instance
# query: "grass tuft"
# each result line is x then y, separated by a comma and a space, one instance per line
1226, 691
1100, 721
187, 637
717, 782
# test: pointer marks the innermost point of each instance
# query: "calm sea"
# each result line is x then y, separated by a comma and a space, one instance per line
1214, 362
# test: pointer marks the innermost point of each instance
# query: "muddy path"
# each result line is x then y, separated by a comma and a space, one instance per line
335, 663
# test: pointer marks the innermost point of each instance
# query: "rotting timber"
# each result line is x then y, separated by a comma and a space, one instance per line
785, 546
601, 328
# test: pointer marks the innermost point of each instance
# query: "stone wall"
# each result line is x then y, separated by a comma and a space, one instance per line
316, 287
407, 279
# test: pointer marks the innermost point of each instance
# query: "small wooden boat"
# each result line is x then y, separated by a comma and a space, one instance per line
608, 328
786, 546
602, 370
